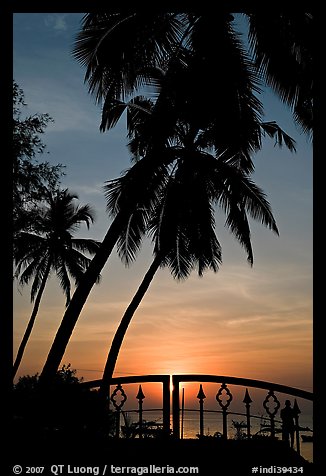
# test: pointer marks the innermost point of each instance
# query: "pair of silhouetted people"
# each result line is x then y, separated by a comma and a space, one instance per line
287, 415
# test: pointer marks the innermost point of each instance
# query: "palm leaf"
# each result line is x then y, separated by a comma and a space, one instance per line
131, 236
112, 112
85, 245
39, 274
282, 47
63, 276
238, 223
236, 187
273, 130
135, 40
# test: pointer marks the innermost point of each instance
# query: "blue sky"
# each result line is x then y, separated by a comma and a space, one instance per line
248, 322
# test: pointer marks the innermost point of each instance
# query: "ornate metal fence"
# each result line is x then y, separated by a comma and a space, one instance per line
224, 397
119, 397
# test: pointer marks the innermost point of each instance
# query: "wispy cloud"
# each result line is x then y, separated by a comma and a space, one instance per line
92, 189
56, 21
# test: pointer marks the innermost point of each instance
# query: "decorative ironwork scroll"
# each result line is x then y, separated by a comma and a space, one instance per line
118, 392
270, 409
225, 393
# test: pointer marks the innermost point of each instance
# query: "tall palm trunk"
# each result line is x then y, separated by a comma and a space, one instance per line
123, 326
78, 300
31, 321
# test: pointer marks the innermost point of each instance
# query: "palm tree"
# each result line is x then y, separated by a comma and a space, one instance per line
183, 224
132, 214
174, 54
53, 248
123, 51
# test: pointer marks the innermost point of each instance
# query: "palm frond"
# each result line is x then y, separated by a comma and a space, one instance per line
80, 214
131, 236
136, 194
273, 130
76, 264
63, 276
39, 274
180, 261
236, 187
136, 41
282, 47
26, 243
140, 185
256, 204
303, 114
182, 226
238, 223
32, 268
233, 113
85, 245
111, 112
138, 112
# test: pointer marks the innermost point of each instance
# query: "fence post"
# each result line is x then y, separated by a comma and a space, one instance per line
182, 411
247, 401
176, 407
201, 395
166, 406
140, 397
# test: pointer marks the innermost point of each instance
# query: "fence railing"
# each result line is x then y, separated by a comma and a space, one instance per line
119, 397
271, 403
224, 396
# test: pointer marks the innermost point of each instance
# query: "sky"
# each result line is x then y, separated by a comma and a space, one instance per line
251, 322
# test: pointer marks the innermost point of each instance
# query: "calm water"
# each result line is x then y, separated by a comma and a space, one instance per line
213, 423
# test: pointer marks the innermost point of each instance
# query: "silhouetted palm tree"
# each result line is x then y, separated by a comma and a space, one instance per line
183, 224
53, 248
202, 77
140, 192
123, 51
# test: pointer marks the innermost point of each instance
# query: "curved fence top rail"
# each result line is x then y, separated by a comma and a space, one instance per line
297, 392
129, 379
176, 379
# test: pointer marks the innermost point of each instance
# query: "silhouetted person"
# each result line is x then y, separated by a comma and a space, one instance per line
287, 416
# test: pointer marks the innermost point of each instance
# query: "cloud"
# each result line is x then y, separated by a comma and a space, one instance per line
92, 189
56, 21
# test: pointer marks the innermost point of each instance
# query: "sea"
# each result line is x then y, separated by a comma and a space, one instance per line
189, 426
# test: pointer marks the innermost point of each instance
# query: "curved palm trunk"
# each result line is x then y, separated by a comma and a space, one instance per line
123, 326
31, 322
78, 300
